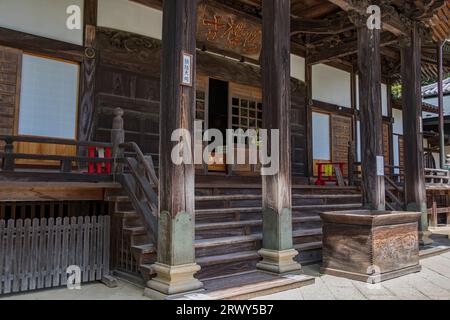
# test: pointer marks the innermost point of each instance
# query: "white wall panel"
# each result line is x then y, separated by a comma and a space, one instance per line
398, 121
331, 85
48, 98
130, 16
321, 136
298, 67
46, 18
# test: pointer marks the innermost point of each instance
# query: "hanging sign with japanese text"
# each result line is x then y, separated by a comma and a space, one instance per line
186, 69
228, 32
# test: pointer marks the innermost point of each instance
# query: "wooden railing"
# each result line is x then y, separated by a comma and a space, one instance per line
137, 175
437, 177
67, 164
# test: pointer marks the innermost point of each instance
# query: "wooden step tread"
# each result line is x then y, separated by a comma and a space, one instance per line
126, 212
237, 197
226, 258
328, 206
117, 199
227, 225
229, 197
307, 232
249, 285
248, 223
326, 196
314, 218
308, 246
205, 243
228, 210
145, 248
135, 230
259, 209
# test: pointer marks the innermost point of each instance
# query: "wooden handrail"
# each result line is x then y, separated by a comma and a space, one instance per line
58, 141
137, 175
146, 161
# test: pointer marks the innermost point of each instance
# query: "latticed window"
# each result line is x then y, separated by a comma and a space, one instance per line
200, 103
246, 114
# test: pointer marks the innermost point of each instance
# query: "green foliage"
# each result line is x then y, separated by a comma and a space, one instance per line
397, 91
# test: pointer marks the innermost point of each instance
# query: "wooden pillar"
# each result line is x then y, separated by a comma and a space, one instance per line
369, 71
415, 192
88, 72
440, 55
309, 129
175, 267
278, 252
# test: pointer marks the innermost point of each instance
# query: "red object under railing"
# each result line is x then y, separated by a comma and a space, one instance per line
99, 152
331, 177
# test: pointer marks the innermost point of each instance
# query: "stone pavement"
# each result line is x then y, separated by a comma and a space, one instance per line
433, 282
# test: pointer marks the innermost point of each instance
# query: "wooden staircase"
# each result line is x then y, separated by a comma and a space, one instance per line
228, 227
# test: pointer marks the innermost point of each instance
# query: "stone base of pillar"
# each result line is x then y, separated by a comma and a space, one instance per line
171, 281
279, 262
424, 238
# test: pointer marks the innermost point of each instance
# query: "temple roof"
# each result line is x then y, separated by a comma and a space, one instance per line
431, 90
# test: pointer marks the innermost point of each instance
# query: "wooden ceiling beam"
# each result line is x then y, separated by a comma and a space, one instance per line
391, 22
346, 49
311, 26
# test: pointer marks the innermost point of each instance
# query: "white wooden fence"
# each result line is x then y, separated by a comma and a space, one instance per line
35, 254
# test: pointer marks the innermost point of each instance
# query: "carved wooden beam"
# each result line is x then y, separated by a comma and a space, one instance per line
302, 25
331, 53
392, 20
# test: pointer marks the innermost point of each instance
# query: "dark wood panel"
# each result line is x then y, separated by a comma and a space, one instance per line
10, 71
341, 135
298, 129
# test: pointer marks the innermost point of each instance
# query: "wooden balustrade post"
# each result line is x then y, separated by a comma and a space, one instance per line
8, 161
117, 138
351, 163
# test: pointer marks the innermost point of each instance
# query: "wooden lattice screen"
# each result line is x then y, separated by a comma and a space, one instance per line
35, 254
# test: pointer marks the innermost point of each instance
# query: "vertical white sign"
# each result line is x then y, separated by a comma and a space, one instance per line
186, 76
380, 166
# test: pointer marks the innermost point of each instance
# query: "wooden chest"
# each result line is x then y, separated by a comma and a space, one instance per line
370, 246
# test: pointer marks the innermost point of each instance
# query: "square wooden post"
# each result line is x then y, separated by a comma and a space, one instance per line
278, 252
413, 131
440, 70
372, 156
175, 266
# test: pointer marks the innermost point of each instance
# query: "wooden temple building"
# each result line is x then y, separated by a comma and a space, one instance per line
91, 91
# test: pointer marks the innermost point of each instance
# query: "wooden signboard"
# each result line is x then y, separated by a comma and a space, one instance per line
225, 31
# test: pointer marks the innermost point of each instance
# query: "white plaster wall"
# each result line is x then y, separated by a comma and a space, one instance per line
46, 18
358, 146
384, 99
130, 16
331, 85
297, 67
398, 121
321, 136
395, 146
